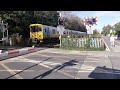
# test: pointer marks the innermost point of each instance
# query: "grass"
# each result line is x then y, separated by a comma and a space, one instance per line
84, 49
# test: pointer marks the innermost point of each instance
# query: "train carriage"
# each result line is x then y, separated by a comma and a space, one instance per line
43, 33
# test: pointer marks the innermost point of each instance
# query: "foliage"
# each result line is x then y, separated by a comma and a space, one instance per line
95, 32
106, 30
71, 43
86, 49
75, 23
87, 45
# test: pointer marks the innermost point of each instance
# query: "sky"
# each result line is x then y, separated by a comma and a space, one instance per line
104, 17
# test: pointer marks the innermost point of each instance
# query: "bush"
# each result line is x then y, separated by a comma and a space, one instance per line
72, 44
87, 45
26, 42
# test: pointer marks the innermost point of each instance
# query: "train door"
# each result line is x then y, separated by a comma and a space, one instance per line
47, 32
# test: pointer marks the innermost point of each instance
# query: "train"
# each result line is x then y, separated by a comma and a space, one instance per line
43, 33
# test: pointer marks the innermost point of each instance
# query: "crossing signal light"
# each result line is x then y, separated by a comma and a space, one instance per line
90, 21
61, 21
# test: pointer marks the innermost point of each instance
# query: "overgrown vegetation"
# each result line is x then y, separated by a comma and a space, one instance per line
86, 44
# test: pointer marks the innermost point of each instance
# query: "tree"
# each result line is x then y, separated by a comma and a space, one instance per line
106, 30
75, 23
95, 32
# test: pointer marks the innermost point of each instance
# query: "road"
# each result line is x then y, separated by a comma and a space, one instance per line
51, 63
41, 65
114, 56
117, 44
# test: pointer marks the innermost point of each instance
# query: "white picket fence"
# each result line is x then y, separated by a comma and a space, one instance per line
81, 42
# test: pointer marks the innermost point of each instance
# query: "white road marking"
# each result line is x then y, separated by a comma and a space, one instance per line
107, 48
57, 71
41, 64
21, 58
12, 72
95, 59
86, 67
56, 56
17, 70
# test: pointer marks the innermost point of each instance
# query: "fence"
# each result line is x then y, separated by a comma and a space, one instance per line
82, 42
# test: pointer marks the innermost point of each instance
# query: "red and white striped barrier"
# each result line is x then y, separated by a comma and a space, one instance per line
16, 52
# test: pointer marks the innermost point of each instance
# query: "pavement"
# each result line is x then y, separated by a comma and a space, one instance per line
9, 52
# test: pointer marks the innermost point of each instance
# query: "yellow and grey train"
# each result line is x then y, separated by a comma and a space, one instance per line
42, 33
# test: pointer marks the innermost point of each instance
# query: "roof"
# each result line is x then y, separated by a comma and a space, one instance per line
36, 25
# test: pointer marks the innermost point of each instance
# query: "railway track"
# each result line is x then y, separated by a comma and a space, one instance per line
48, 45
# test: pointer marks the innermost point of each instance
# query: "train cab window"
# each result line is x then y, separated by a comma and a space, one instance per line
32, 28
35, 29
39, 29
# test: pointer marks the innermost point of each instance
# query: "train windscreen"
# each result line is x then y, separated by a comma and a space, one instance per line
35, 29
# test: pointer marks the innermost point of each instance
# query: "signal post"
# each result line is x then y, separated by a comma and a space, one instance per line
60, 27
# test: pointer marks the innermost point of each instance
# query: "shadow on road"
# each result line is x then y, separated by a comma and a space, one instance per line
58, 67
105, 73
28, 68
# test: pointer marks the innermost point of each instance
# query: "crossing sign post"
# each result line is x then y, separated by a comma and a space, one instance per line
90, 21
60, 27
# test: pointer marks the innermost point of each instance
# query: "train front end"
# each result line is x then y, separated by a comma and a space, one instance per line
36, 33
